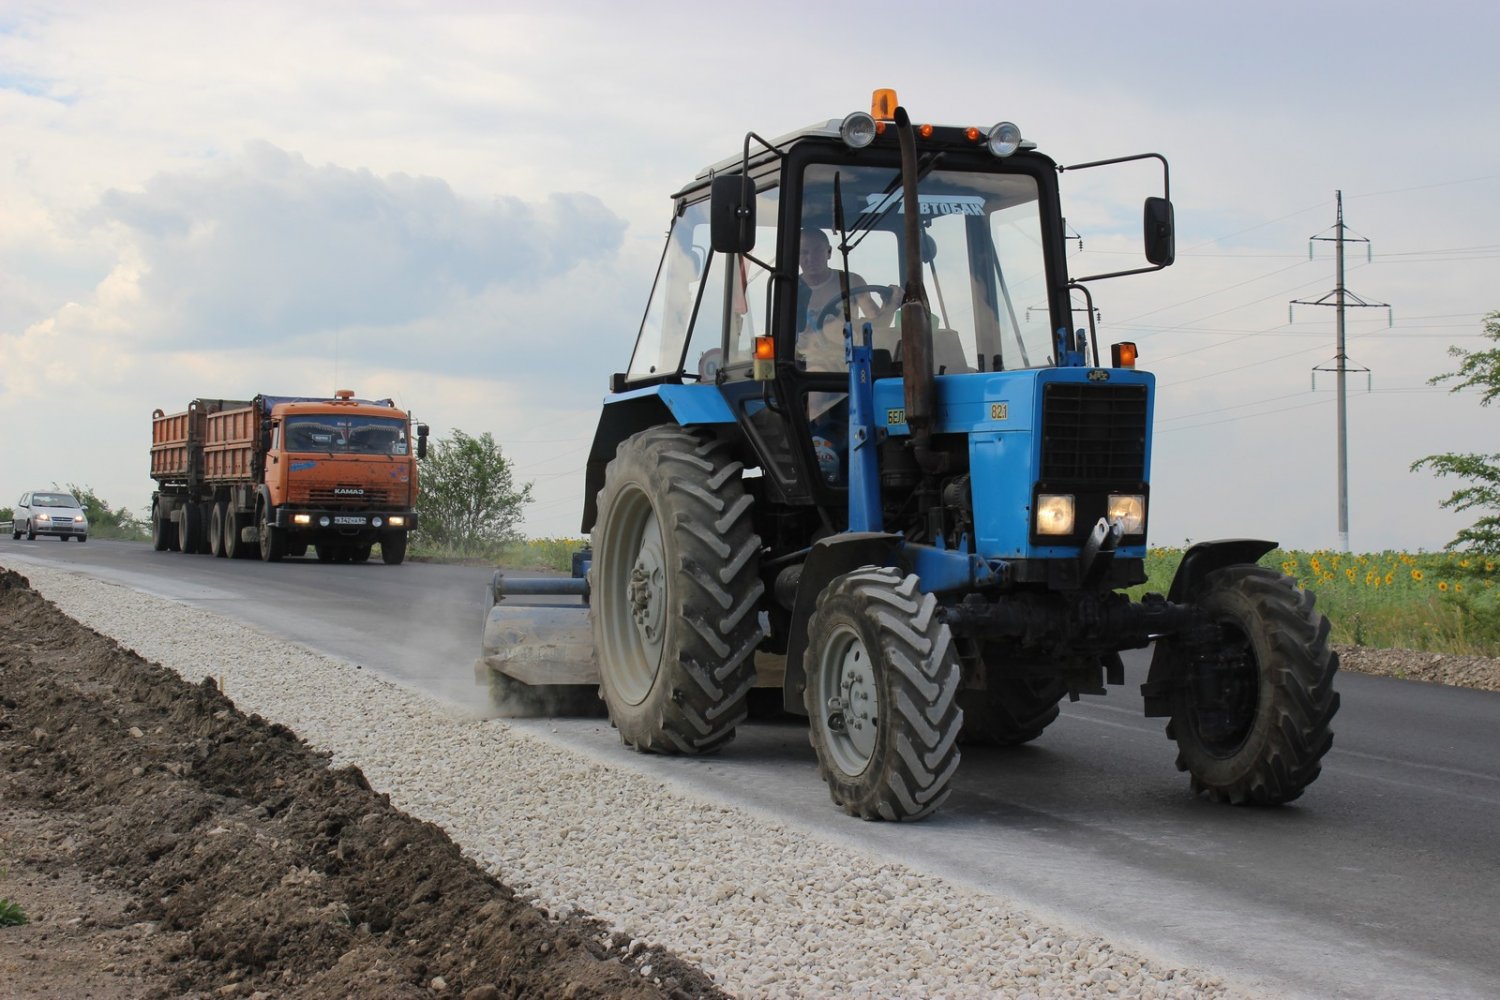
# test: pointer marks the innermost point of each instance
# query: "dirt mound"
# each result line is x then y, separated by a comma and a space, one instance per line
166, 845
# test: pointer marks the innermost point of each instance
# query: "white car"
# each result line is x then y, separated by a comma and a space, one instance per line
47, 512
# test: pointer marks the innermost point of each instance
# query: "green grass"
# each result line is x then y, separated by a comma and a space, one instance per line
1437, 601
11, 914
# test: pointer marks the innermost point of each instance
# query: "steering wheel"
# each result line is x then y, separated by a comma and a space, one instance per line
835, 305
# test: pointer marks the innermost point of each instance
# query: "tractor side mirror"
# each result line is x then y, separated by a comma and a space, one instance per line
1161, 236
731, 214
421, 440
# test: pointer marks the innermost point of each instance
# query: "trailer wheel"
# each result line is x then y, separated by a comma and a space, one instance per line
393, 548
190, 528
216, 530
272, 538
882, 695
161, 529
675, 592
1009, 711
233, 547
1254, 730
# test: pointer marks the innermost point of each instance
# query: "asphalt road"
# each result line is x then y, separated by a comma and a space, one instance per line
1383, 880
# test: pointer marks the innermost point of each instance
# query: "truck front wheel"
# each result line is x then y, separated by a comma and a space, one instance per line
272, 538
393, 548
1252, 725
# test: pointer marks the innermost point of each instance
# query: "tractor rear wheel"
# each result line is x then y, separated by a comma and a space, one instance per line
1011, 710
676, 590
882, 695
1254, 727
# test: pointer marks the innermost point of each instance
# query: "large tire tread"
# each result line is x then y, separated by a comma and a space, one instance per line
1284, 751
707, 667
916, 752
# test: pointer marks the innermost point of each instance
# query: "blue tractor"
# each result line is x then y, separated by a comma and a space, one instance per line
861, 454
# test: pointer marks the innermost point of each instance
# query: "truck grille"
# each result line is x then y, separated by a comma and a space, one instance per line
330, 496
1094, 433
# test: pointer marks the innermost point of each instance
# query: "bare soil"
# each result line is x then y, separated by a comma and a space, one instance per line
164, 845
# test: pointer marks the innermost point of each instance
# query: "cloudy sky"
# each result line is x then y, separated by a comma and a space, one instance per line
460, 205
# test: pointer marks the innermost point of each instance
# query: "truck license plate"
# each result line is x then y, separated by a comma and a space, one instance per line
348, 520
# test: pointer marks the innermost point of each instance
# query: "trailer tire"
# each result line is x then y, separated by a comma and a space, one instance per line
234, 547
272, 538
190, 528
1011, 710
216, 531
675, 591
1259, 737
158, 529
883, 678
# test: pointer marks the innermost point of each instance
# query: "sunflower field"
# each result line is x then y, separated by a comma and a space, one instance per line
1445, 602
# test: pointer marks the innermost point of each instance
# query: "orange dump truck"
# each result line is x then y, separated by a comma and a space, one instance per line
276, 475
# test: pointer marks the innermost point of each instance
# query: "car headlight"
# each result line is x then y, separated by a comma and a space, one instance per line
1054, 514
1129, 511
44, 517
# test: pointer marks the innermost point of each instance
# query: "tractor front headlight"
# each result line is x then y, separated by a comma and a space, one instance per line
1054, 514
857, 130
1129, 511
1004, 139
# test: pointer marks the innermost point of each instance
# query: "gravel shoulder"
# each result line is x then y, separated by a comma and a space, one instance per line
371, 843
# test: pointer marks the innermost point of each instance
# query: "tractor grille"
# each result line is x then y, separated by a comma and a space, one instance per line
1094, 433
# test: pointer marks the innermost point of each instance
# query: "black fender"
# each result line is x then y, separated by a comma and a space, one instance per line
1197, 563
830, 557
617, 421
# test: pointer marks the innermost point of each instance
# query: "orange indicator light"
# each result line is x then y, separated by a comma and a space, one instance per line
925, 131
972, 134
1123, 354
765, 349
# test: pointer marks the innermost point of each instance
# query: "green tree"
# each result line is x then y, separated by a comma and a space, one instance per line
6, 513
106, 521
468, 501
1477, 370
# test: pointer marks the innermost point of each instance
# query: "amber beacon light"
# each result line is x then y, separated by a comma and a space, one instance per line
1122, 355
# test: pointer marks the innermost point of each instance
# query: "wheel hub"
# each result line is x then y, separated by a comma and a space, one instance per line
648, 581
851, 711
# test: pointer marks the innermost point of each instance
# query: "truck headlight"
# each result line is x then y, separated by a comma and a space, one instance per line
1054, 514
397, 521
302, 519
1129, 511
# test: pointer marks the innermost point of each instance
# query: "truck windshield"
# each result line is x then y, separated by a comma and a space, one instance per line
346, 434
984, 266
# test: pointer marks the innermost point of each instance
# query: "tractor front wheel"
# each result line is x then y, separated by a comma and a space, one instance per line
882, 695
1252, 724
676, 588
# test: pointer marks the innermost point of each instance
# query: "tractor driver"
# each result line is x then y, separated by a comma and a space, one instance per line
820, 314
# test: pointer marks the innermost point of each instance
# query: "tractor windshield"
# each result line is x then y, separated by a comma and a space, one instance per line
983, 265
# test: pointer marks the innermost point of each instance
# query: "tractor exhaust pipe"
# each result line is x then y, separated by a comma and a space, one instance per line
916, 317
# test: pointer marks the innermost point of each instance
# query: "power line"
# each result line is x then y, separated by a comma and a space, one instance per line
1339, 299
